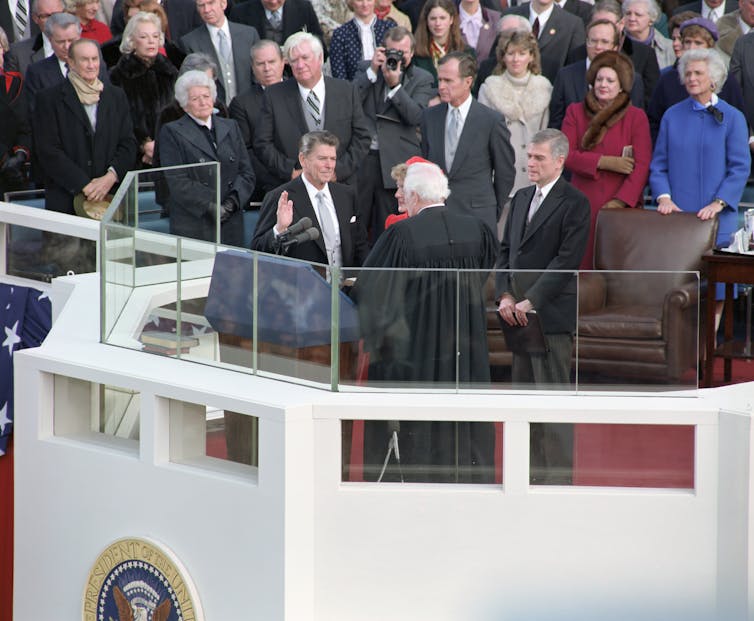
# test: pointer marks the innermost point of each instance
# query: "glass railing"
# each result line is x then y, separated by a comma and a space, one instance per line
396, 329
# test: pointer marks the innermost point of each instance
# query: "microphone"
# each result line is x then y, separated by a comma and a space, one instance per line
309, 234
297, 228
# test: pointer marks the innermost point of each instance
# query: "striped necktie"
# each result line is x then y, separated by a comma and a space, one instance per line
21, 19
312, 106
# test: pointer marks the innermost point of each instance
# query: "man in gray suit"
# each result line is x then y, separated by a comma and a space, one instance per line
469, 141
732, 26
27, 51
393, 96
742, 69
227, 43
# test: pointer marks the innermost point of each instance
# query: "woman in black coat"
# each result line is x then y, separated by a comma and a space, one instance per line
15, 132
146, 76
202, 137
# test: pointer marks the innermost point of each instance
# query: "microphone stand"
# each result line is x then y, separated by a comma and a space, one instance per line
392, 447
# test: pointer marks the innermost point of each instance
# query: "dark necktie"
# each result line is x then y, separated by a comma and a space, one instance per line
210, 135
535, 28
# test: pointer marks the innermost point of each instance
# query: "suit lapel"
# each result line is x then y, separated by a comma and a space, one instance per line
303, 208
295, 109
466, 138
552, 27
71, 100
519, 221
551, 204
190, 130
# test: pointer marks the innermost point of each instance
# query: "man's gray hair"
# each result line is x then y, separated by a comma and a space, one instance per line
35, 7
716, 68
427, 181
652, 8
608, 6
4, 43
198, 61
557, 140
263, 43
189, 80
312, 140
61, 20
519, 23
297, 38
142, 17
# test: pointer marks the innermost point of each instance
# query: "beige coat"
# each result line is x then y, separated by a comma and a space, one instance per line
525, 104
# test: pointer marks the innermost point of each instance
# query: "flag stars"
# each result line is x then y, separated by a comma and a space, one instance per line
11, 338
4, 420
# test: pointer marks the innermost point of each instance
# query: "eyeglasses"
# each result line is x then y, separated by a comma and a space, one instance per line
602, 42
44, 15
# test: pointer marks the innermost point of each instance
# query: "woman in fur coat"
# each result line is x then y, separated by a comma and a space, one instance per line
520, 94
146, 76
610, 146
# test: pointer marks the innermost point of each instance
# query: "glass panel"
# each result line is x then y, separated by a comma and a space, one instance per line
117, 274
42, 255
181, 200
408, 322
422, 451
657, 456
638, 331
289, 318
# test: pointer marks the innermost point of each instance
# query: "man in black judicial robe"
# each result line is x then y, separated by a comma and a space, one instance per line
426, 326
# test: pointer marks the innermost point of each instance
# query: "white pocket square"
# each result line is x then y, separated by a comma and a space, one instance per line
352, 220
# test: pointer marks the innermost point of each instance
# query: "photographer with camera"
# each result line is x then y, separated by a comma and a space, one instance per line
393, 94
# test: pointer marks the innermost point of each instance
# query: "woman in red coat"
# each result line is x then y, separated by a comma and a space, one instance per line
610, 146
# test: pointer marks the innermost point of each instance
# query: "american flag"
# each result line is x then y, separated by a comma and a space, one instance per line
25, 316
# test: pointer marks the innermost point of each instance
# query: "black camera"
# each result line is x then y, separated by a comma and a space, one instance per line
393, 59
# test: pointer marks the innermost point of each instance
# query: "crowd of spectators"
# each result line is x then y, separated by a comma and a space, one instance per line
392, 80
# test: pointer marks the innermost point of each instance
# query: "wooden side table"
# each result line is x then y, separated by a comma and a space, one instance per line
728, 269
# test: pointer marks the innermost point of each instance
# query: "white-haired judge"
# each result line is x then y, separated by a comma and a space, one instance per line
426, 325
200, 136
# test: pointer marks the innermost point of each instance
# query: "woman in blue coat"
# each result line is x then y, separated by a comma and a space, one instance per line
701, 161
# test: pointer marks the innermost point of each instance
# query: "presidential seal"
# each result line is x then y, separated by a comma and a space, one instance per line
139, 580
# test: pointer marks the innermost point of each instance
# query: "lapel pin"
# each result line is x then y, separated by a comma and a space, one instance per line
486, 26
552, 31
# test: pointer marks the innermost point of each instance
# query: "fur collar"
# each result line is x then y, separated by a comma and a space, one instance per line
602, 118
131, 67
518, 100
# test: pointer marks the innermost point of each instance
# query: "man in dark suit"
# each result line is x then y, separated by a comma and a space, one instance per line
332, 208
277, 20
182, 18
547, 229
227, 43
469, 141
558, 33
62, 29
393, 99
83, 135
310, 102
579, 8
267, 64
742, 69
571, 86
27, 51
642, 56
712, 10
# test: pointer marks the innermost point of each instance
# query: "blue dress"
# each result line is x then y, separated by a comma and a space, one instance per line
698, 159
